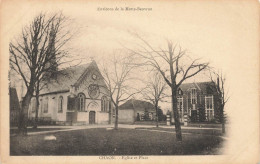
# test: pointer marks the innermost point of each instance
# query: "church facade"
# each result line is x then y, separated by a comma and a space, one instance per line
75, 96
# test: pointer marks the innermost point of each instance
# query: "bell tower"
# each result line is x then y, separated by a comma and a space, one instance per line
51, 64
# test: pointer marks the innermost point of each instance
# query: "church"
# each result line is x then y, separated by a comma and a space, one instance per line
74, 96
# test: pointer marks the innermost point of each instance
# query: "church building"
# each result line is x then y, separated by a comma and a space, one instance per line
76, 96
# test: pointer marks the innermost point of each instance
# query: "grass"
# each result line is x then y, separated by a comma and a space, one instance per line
114, 142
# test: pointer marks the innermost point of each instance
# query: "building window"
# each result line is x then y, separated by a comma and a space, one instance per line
180, 107
45, 107
109, 106
104, 104
179, 91
209, 107
193, 96
81, 102
60, 104
93, 91
33, 105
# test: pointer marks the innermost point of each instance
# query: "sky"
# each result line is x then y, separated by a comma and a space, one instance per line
211, 31
224, 33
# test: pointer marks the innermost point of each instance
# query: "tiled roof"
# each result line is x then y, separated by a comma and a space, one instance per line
64, 79
136, 104
198, 85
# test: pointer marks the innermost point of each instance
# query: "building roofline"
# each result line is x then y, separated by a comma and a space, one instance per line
56, 92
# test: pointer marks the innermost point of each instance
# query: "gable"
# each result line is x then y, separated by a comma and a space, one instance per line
204, 87
91, 80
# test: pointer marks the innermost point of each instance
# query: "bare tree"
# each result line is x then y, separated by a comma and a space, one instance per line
222, 97
117, 75
36, 55
39, 85
175, 67
154, 91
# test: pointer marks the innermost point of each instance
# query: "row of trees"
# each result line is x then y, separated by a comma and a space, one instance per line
36, 55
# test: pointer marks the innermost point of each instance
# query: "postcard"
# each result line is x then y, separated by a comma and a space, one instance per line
129, 81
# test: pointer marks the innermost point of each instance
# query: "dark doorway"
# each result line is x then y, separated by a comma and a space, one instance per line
193, 115
92, 116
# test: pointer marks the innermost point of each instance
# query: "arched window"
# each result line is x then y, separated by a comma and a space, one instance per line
179, 91
81, 102
104, 104
193, 96
60, 104
45, 108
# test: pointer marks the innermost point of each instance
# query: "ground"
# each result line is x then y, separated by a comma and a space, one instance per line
14, 131
124, 141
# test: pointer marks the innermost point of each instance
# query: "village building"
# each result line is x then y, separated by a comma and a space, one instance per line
76, 95
198, 101
136, 110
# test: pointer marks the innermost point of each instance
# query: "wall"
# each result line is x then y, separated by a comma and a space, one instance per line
83, 116
52, 107
102, 118
126, 116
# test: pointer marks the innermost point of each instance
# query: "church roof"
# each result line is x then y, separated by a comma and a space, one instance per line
136, 104
64, 79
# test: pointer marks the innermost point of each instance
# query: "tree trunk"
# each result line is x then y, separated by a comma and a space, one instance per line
223, 128
176, 116
23, 114
156, 109
36, 112
37, 106
222, 118
116, 121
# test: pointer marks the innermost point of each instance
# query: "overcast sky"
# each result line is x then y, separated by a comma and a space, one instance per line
220, 34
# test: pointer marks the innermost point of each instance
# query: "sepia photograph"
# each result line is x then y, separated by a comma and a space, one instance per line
132, 81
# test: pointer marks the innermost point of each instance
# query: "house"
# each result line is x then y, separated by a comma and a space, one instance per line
136, 110
198, 100
75, 95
